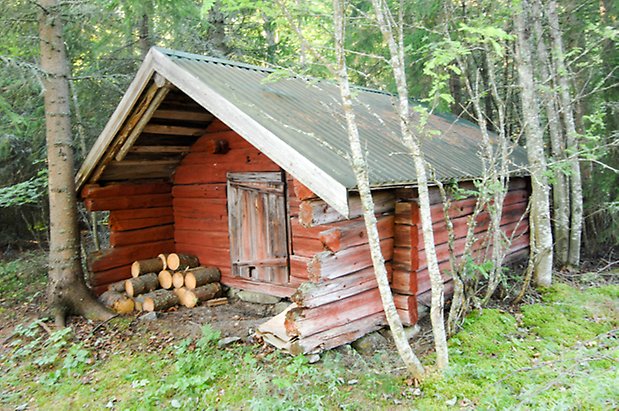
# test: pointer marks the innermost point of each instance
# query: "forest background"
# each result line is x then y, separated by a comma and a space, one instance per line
106, 41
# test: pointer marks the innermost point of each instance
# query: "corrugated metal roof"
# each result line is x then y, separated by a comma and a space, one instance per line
306, 114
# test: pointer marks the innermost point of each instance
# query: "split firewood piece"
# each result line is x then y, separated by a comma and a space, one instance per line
178, 279
152, 265
164, 260
165, 279
142, 284
159, 300
217, 301
203, 293
119, 286
198, 276
118, 302
182, 261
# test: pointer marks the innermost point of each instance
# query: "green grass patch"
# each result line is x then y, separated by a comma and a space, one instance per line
557, 354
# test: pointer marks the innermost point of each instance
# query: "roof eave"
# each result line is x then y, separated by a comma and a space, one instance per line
111, 129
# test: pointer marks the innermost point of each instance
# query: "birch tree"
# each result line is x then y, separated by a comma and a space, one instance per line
565, 102
541, 234
66, 291
560, 192
413, 144
360, 168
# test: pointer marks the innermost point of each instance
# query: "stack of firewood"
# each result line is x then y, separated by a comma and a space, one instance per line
163, 282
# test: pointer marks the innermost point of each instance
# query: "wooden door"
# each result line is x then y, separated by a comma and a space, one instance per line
258, 228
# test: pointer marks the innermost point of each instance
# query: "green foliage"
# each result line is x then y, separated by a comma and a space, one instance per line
26, 192
558, 353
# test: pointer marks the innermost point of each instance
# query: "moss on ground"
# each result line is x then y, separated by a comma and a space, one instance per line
560, 353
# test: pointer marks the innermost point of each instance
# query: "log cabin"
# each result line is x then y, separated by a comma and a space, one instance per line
251, 174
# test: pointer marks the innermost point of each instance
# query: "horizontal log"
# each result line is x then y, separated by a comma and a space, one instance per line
217, 172
159, 300
203, 144
173, 130
354, 233
303, 322
159, 149
142, 284
205, 238
195, 277
311, 295
151, 265
134, 214
425, 298
139, 169
128, 202
406, 305
404, 282
216, 190
317, 212
337, 336
306, 247
298, 266
217, 223
209, 256
146, 235
299, 230
182, 261
410, 236
105, 277
140, 223
125, 189
328, 265
190, 298
193, 207
116, 257
265, 288
183, 115
302, 192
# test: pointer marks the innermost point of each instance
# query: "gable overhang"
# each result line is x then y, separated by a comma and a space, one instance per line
155, 64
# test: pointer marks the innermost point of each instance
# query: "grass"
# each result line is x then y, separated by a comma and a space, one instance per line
560, 353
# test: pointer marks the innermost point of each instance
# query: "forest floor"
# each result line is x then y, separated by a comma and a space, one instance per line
559, 350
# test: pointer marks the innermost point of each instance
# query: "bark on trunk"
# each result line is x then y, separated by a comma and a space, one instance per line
66, 290
575, 179
540, 207
413, 145
359, 166
560, 192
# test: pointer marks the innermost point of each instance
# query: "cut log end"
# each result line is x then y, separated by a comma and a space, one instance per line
178, 279
182, 261
140, 267
165, 279
201, 276
206, 292
117, 302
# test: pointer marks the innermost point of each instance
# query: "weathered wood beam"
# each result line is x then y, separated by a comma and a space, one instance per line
183, 115
173, 130
159, 149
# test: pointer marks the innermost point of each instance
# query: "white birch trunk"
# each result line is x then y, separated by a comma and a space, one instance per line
412, 143
540, 207
360, 169
575, 179
560, 192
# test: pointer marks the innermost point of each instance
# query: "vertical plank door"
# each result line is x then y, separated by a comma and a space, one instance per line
258, 230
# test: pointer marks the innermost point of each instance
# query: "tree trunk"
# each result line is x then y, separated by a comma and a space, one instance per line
571, 134
540, 207
360, 169
413, 145
66, 290
560, 192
